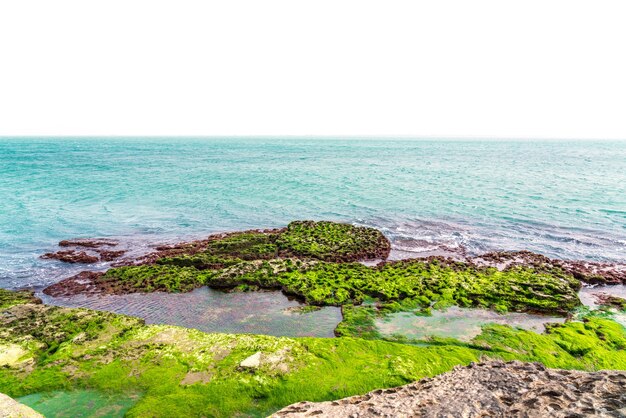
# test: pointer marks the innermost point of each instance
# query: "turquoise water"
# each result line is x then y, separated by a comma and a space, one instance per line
563, 199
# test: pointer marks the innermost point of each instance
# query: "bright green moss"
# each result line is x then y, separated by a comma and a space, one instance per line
181, 372
413, 282
8, 298
358, 322
593, 344
614, 302
331, 241
152, 278
228, 250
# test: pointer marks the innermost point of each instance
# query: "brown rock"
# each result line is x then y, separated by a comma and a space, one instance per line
10, 408
85, 282
71, 256
88, 243
493, 389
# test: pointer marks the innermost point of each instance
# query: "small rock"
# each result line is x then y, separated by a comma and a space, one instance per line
252, 362
10, 408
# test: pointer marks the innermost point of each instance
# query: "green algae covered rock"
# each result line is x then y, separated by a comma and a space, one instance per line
172, 371
324, 240
418, 282
152, 278
314, 261
9, 298
331, 241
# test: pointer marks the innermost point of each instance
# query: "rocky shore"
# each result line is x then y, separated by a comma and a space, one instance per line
494, 389
163, 370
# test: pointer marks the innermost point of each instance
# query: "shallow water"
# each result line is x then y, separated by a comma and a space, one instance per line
79, 403
587, 293
587, 297
210, 310
561, 198
460, 323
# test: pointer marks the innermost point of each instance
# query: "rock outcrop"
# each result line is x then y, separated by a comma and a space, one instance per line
10, 408
494, 389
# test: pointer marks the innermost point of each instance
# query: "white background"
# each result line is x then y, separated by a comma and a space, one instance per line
550, 69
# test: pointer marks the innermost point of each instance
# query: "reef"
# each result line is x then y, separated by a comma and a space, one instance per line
586, 271
159, 370
316, 262
71, 256
10, 298
611, 301
494, 389
85, 251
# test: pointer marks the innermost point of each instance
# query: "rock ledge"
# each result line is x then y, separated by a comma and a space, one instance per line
494, 389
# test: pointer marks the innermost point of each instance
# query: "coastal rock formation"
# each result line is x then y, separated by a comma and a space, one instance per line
586, 271
186, 372
10, 408
85, 283
71, 256
88, 243
317, 263
493, 389
85, 251
611, 301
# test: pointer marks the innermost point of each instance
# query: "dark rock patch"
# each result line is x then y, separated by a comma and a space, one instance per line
71, 256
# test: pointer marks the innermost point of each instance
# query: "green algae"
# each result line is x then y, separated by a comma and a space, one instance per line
332, 241
228, 250
614, 302
9, 298
183, 372
398, 285
411, 282
152, 278
358, 321
80, 403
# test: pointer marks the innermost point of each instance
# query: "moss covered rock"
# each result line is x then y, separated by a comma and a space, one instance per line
9, 298
172, 371
332, 241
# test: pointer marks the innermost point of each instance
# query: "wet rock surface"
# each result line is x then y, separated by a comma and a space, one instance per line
88, 243
586, 271
85, 282
611, 301
85, 251
71, 256
494, 389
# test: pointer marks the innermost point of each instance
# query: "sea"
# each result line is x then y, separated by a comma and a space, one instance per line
564, 199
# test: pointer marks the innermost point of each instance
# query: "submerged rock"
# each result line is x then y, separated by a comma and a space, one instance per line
494, 389
71, 256
88, 243
10, 408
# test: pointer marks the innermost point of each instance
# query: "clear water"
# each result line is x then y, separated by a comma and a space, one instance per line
79, 404
563, 199
588, 294
269, 313
460, 323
